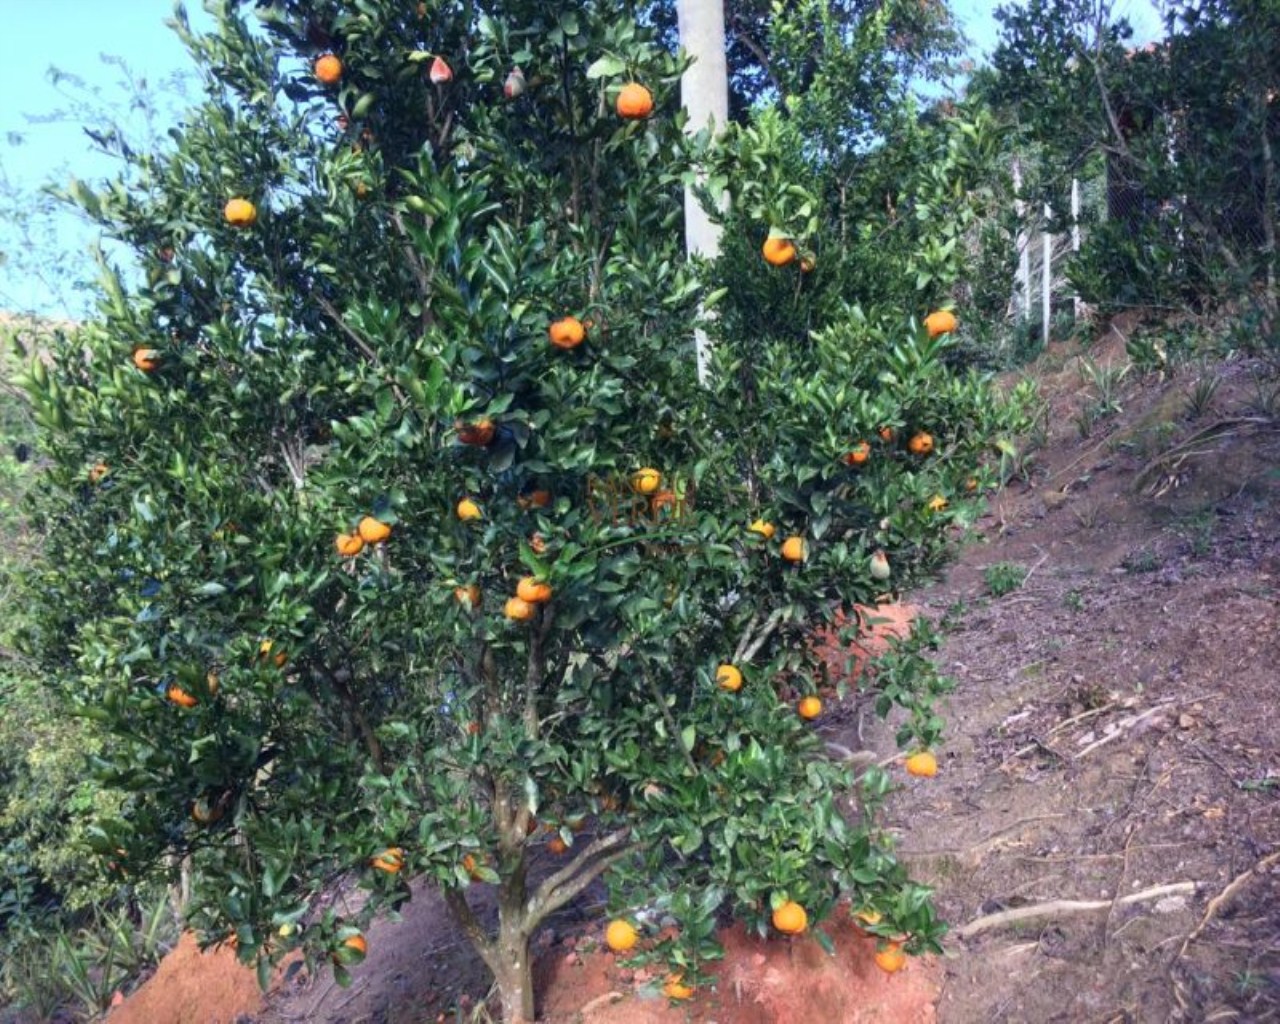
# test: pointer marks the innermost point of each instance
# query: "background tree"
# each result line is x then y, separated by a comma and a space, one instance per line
1186, 128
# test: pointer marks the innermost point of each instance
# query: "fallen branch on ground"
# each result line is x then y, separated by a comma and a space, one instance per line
1219, 901
1061, 908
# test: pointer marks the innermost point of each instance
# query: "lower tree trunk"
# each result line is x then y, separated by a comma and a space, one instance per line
514, 976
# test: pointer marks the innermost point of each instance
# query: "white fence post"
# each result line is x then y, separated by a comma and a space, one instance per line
1046, 277
1075, 239
1022, 280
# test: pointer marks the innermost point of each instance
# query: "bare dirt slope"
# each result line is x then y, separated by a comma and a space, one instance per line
1115, 729
1113, 741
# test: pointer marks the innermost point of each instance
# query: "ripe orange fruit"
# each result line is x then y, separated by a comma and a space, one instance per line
620, 936
920, 444
373, 531
537, 498
479, 432
557, 845
146, 359
264, 651
942, 321
348, 544
790, 918
778, 252
809, 708
390, 860
887, 434
646, 480
440, 72
794, 549
99, 471
891, 959
729, 677
205, 813
675, 988
468, 510
517, 609
937, 503
567, 333
468, 595
470, 865
662, 500
533, 590
858, 455
922, 764
328, 69
240, 213
634, 102
357, 943
180, 696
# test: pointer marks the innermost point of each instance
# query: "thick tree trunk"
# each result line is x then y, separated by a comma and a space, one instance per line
704, 90
514, 975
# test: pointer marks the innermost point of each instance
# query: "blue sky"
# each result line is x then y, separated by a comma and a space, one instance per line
73, 36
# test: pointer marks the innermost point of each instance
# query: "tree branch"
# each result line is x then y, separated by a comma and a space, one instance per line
558, 889
365, 348
417, 269
748, 646
463, 916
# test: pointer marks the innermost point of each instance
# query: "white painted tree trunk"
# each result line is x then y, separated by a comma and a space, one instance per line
704, 90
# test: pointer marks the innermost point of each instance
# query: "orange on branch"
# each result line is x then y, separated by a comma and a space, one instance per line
646, 480
794, 549
240, 213
809, 708
790, 918
328, 69
729, 677
533, 590
778, 252
620, 936
567, 333
373, 531
764, 528
920, 444
858, 455
348, 544
941, 321
517, 609
634, 102
146, 359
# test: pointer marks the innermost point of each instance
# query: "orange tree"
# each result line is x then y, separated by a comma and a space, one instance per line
389, 534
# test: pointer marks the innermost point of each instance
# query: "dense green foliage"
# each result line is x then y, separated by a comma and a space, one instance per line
1187, 129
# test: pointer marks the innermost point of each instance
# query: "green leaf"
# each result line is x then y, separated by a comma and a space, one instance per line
605, 67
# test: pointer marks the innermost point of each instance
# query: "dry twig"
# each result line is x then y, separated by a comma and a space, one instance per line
1060, 908
1219, 901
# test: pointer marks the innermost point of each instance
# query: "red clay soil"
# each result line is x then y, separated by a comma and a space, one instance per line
191, 987
758, 982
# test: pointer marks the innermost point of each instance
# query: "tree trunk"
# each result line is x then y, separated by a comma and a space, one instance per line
514, 974
704, 90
